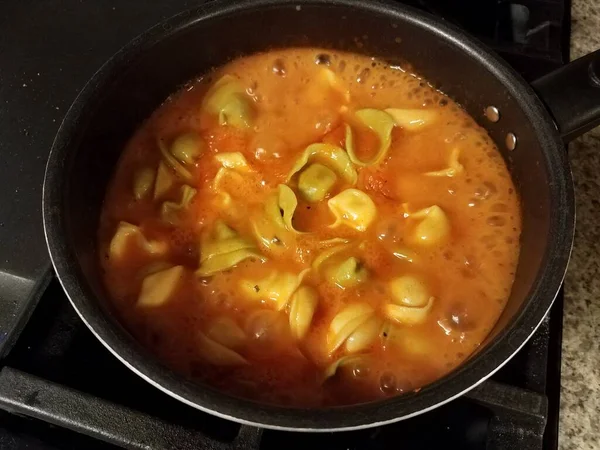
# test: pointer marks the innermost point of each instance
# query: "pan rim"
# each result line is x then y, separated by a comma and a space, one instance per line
204, 398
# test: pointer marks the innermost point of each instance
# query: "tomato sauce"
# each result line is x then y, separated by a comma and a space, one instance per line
425, 262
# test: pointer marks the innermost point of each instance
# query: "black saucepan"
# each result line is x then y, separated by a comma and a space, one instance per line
138, 78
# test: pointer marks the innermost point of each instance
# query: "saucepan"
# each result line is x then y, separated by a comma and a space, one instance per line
530, 125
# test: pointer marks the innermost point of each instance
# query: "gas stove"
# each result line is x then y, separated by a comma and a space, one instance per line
61, 389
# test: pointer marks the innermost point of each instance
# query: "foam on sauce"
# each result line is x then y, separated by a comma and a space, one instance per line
469, 275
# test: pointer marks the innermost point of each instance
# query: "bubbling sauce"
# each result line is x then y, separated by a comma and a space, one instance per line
309, 228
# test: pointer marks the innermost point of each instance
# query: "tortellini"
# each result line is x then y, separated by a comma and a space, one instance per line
269, 332
344, 272
409, 291
277, 287
173, 163
316, 181
353, 208
228, 100
153, 267
381, 123
364, 335
233, 160
160, 287
433, 227
233, 164
143, 180
227, 332
326, 254
164, 180
412, 119
170, 211
273, 238
222, 248
187, 148
344, 361
126, 232
348, 273
218, 354
274, 229
281, 207
454, 166
302, 308
408, 315
356, 326
411, 300
330, 155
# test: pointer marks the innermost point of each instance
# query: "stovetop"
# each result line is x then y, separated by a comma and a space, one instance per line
60, 389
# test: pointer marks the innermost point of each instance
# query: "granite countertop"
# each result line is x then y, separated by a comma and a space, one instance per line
580, 395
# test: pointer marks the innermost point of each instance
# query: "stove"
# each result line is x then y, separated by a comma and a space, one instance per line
61, 389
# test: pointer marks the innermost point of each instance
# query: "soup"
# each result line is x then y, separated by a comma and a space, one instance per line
310, 228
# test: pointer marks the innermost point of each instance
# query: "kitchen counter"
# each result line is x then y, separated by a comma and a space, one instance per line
580, 395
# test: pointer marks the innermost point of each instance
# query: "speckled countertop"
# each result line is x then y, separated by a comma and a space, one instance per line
580, 396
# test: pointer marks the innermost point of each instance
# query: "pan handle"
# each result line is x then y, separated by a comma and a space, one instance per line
572, 95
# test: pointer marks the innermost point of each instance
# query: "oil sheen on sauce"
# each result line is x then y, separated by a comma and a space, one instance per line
440, 158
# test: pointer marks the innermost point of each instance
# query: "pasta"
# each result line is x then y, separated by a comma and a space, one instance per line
170, 210
234, 168
412, 119
381, 123
269, 331
348, 273
274, 229
142, 182
330, 155
164, 181
409, 315
233, 161
126, 233
281, 207
344, 361
218, 354
433, 225
310, 234
172, 162
353, 208
326, 254
187, 148
223, 248
356, 326
226, 332
277, 287
316, 181
302, 309
409, 290
159, 287
229, 101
